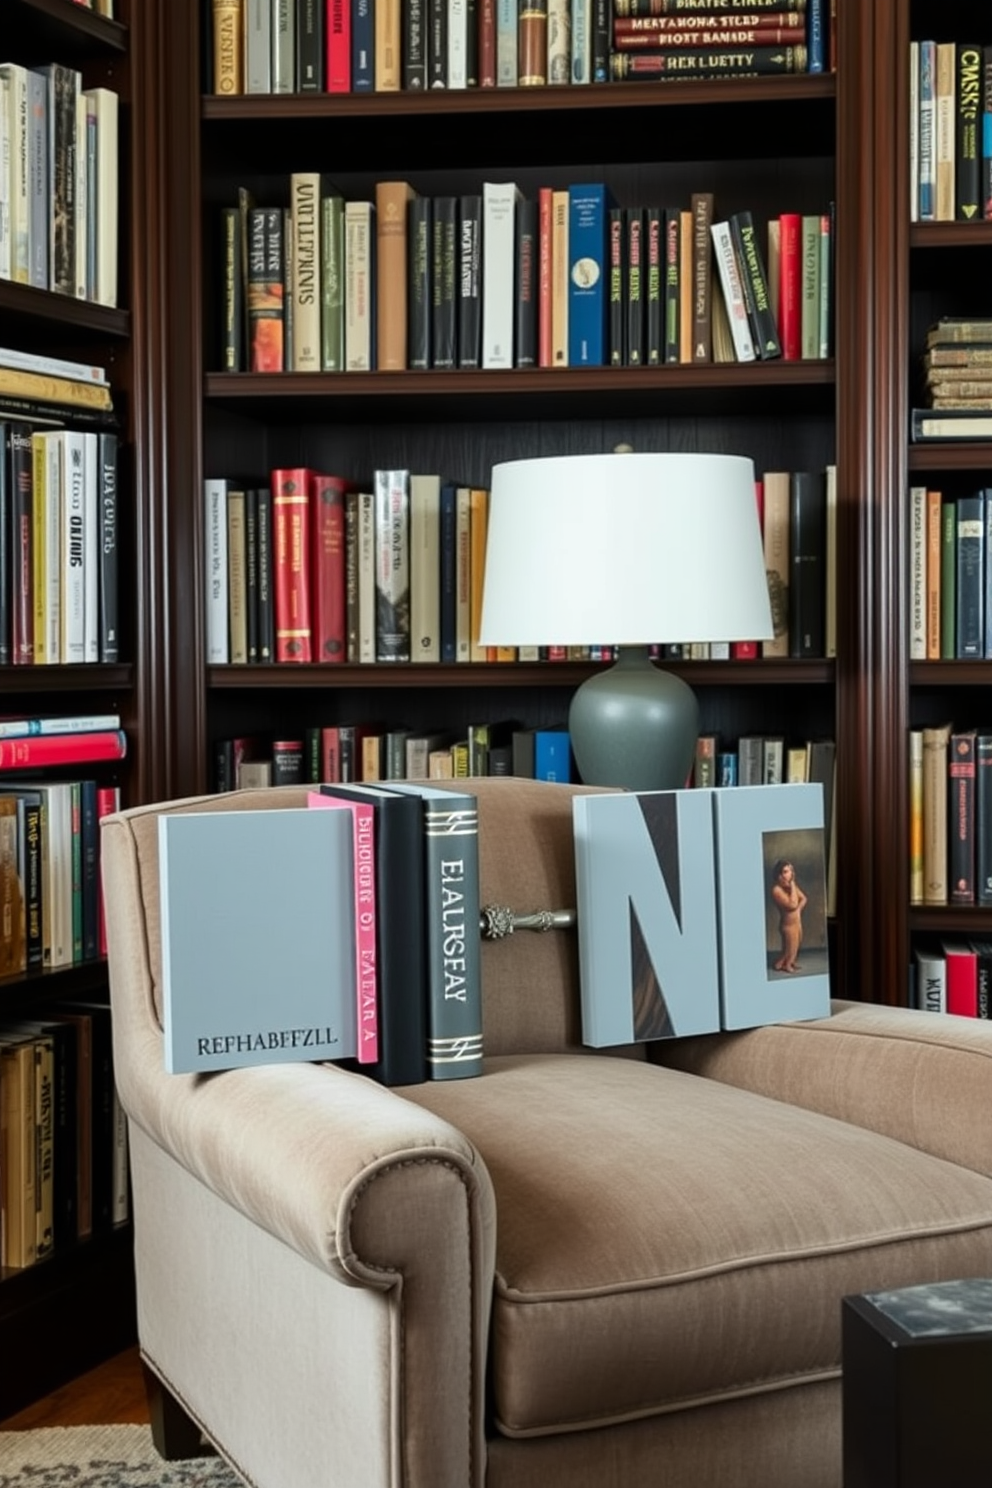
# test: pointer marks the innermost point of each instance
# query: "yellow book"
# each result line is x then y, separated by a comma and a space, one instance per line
478, 524
687, 253
50, 389
18, 1165
559, 279
229, 45
777, 564
916, 816
392, 202
934, 518
936, 742
388, 46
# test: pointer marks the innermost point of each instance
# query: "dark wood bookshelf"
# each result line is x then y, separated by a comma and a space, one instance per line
949, 454
772, 673
46, 28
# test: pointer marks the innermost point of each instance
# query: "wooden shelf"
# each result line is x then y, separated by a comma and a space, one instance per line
927, 235
49, 315
64, 982
952, 919
949, 454
47, 27
508, 674
603, 391
59, 679
951, 674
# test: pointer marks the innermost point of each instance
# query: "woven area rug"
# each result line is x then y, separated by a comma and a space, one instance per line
101, 1457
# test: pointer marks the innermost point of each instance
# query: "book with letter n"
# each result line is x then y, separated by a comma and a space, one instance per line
258, 938
646, 903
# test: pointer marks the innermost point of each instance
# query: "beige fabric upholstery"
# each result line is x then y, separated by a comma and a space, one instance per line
606, 1270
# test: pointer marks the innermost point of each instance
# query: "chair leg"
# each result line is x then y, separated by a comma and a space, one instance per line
176, 1437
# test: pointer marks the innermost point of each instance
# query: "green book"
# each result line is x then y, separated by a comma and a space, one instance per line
332, 283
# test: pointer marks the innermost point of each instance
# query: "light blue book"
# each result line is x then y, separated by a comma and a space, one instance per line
647, 915
772, 904
553, 759
258, 938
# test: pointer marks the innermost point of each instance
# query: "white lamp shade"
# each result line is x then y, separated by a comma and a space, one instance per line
624, 549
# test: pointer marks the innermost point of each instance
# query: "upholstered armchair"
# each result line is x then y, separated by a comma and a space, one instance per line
618, 1269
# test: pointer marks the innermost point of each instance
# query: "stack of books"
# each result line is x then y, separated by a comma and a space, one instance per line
957, 368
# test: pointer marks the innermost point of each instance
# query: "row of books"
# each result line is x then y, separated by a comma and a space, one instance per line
355, 46
372, 751
58, 182
953, 975
50, 872
496, 279
58, 544
950, 131
950, 815
950, 611
384, 884
310, 567
64, 1174
957, 363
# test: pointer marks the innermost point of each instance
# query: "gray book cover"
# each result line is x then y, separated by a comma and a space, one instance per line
647, 915
772, 904
258, 948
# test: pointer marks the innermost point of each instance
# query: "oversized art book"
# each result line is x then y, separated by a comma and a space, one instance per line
258, 938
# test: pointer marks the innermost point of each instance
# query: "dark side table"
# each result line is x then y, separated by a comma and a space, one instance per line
917, 1386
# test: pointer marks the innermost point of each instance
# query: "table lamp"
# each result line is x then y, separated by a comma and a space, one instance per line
627, 550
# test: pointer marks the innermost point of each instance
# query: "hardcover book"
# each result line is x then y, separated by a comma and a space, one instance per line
268, 975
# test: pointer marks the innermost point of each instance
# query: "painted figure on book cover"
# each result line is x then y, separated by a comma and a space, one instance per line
795, 916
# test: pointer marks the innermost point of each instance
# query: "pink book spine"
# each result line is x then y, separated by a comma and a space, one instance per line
366, 980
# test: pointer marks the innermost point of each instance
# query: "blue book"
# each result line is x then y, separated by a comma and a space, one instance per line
970, 584
988, 573
816, 35
553, 755
726, 768
588, 278
258, 938
362, 47
927, 130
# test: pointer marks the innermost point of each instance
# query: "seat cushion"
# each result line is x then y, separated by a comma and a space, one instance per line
665, 1241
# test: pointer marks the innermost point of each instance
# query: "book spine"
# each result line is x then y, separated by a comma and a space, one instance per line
970, 595
776, 539
983, 820
332, 276
366, 916
634, 341
62, 749
258, 46
455, 992
86, 723
948, 580
927, 130
392, 200
559, 40
707, 62
936, 749
425, 569
38, 185
670, 243
702, 277
525, 285
232, 351
310, 46
529, 42
733, 291
917, 573
388, 31
362, 47
228, 47
420, 283
986, 170
266, 606
945, 129
237, 577
498, 213
587, 267
216, 587
392, 565
559, 278
962, 979
810, 287
469, 315
284, 46
648, 31
327, 494
616, 287
961, 818
291, 564
337, 61
448, 564
444, 328
264, 291
545, 236
457, 43
816, 35
755, 279
930, 994
581, 70
108, 585
916, 816
463, 574
91, 548
968, 141
305, 200
602, 37
359, 228
487, 44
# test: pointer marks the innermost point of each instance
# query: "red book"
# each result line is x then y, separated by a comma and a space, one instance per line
62, 749
330, 755
544, 214
338, 30
363, 863
790, 282
108, 800
328, 587
750, 650
962, 978
291, 564
487, 43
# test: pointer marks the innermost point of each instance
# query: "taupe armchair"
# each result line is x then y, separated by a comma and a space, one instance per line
617, 1269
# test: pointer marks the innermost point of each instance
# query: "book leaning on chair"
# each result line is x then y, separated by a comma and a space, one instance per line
259, 949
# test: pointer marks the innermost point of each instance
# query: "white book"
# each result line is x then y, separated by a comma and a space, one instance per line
499, 200
392, 565
914, 131
6, 246
559, 40
463, 574
507, 51
283, 46
80, 197
15, 80
91, 548
366, 576
359, 230
258, 46
215, 589
733, 292
305, 192
425, 568
581, 41
39, 186
104, 193
268, 975
34, 361
457, 43
52, 577
917, 573
73, 641
930, 980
